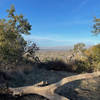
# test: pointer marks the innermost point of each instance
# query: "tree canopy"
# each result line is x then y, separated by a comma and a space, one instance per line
79, 47
96, 26
11, 41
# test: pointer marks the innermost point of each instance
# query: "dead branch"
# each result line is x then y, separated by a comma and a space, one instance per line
49, 91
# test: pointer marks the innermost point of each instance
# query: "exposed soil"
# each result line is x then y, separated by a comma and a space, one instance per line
88, 89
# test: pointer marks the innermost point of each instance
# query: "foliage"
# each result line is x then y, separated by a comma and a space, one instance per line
91, 61
96, 26
30, 50
83, 66
11, 41
79, 47
31, 47
93, 54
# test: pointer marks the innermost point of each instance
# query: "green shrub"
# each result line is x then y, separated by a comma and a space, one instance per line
83, 66
93, 55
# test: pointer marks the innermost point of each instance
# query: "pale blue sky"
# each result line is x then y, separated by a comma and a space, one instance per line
57, 22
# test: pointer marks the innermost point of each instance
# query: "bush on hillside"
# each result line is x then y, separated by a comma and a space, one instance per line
93, 55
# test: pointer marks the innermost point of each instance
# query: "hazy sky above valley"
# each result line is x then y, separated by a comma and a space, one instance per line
57, 22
